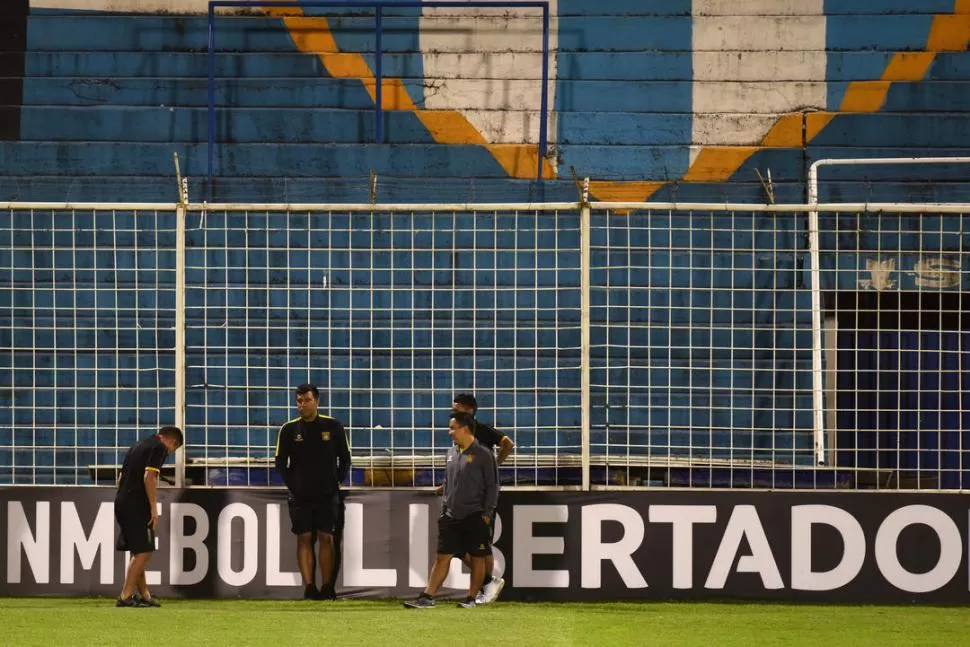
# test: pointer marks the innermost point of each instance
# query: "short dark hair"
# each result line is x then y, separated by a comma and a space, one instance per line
463, 420
467, 399
308, 388
172, 432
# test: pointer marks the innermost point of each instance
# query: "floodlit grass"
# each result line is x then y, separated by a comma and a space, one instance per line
90, 621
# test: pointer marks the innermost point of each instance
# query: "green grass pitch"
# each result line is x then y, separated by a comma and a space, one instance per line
90, 621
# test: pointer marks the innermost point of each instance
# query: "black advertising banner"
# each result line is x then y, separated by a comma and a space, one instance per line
644, 545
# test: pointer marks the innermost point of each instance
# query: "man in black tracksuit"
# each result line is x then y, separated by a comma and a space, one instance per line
470, 494
313, 458
136, 511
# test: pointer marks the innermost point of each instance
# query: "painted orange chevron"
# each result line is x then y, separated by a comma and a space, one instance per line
312, 35
948, 33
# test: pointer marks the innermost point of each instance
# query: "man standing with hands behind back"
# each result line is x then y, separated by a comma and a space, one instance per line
313, 457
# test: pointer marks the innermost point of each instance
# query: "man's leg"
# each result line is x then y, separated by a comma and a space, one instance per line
439, 571
304, 556
477, 577
142, 584
325, 554
135, 573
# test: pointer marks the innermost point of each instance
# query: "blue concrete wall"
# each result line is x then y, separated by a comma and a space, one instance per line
108, 98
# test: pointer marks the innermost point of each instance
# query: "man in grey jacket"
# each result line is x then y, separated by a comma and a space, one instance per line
467, 508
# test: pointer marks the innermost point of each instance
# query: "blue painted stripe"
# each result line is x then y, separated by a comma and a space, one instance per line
855, 66
622, 129
856, 7
572, 96
731, 191
622, 66
626, 162
937, 96
287, 93
889, 173
621, 33
96, 32
879, 32
152, 32
786, 164
250, 160
632, 8
240, 125
280, 189
951, 66
177, 64
894, 130
915, 97
895, 191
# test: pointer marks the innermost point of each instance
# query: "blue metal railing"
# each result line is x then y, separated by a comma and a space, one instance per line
378, 6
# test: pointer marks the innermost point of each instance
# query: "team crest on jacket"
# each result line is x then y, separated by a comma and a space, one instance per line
325, 435
469, 458
299, 438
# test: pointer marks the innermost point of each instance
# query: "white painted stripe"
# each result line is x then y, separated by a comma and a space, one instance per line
759, 33
757, 7
726, 129
765, 97
492, 79
134, 6
754, 60
758, 66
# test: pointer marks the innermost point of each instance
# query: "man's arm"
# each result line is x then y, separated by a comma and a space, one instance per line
343, 455
151, 485
152, 469
505, 448
491, 484
283, 457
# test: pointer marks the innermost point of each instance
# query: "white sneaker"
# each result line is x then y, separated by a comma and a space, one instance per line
480, 598
492, 589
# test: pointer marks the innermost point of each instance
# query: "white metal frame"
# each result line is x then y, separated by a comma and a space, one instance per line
818, 404
813, 208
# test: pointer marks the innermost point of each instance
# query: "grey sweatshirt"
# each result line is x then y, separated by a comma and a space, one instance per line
470, 483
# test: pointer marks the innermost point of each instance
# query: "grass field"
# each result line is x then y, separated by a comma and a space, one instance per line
88, 621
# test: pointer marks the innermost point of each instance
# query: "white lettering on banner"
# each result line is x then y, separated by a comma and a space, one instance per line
179, 543
353, 554
274, 576
418, 547
744, 523
951, 548
249, 543
683, 518
74, 539
525, 546
803, 578
498, 564
35, 545
595, 551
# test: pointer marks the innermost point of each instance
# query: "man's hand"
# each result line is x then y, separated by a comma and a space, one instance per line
154, 522
487, 519
440, 489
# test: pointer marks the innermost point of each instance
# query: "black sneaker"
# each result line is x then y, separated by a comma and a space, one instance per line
422, 602
146, 602
327, 593
130, 602
467, 603
310, 592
